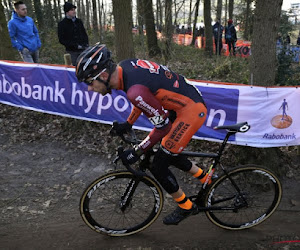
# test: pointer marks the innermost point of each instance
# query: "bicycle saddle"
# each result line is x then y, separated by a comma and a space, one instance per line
239, 127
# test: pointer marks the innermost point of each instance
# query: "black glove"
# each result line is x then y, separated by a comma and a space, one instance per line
129, 156
120, 128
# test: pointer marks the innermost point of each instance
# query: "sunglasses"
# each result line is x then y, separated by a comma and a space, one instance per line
90, 81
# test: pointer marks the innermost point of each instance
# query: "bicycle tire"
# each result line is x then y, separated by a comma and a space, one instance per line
100, 204
259, 186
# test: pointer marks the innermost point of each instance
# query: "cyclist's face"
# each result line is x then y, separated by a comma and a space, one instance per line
99, 87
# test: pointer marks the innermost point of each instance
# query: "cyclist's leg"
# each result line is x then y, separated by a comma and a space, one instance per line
188, 121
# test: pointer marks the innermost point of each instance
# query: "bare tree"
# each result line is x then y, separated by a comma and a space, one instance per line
195, 22
247, 20
263, 48
177, 8
190, 14
122, 12
87, 14
6, 50
168, 29
219, 9
208, 27
95, 19
152, 44
39, 14
230, 9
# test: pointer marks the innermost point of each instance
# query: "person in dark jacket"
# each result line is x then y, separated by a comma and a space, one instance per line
71, 33
24, 34
217, 32
230, 36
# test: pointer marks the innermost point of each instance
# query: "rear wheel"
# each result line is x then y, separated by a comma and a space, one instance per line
258, 197
120, 204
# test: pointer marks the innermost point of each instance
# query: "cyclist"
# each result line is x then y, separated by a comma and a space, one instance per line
173, 105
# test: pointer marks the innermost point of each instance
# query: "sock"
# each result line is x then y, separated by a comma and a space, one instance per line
184, 202
201, 175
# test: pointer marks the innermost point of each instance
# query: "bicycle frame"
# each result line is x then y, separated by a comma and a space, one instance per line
233, 129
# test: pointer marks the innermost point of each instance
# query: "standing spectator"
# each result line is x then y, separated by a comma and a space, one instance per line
71, 33
298, 40
24, 34
230, 36
217, 31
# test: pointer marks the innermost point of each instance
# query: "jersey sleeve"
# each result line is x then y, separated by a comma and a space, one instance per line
144, 100
134, 115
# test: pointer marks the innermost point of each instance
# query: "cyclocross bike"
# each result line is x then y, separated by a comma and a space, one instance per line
126, 202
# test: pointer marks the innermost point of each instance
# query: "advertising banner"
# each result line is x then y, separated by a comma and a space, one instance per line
271, 112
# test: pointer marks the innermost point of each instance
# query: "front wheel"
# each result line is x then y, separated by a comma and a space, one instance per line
244, 198
120, 204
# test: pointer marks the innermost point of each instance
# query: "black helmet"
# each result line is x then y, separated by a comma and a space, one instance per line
92, 61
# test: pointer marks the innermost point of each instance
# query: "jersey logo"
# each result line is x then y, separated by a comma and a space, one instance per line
151, 66
176, 84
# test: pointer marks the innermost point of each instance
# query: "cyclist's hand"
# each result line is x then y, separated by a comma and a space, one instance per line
120, 128
129, 156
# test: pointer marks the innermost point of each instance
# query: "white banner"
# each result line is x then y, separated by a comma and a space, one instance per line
271, 112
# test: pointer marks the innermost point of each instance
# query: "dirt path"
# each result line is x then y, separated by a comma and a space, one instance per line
40, 187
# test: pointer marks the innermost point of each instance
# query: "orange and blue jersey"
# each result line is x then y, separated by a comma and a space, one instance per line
155, 90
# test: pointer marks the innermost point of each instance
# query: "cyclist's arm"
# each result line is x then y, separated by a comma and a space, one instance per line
142, 98
134, 115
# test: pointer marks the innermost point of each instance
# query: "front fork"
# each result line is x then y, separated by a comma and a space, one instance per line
128, 194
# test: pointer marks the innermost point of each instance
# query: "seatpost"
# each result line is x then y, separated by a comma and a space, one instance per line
222, 147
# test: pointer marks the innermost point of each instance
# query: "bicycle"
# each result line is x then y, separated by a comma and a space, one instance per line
123, 203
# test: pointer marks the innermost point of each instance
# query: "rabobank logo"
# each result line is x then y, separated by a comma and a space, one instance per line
283, 120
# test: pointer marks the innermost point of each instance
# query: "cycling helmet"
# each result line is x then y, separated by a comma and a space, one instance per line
92, 61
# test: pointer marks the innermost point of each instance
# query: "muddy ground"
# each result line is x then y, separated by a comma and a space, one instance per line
42, 176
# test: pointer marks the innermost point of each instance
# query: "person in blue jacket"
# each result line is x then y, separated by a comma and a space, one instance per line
24, 34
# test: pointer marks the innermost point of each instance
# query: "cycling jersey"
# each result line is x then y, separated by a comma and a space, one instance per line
155, 90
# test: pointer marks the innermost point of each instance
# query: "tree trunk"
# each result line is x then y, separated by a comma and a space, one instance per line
195, 22
59, 10
230, 9
190, 14
152, 44
140, 19
95, 21
263, 69
87, 15
263, 48
100, 6
7, 52
39, 14
168, 29
219, 10
208, 27
247, 20
123, 29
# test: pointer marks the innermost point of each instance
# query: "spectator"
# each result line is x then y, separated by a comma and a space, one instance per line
24, 34
189, 31
217, 32
182, 30
230, 36
298, 40
279, 39
201, 31
177, 29
71, 33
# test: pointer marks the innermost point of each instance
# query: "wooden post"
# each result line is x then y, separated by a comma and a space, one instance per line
68, 60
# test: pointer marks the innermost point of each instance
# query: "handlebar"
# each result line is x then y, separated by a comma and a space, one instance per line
130, 139
129, 168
